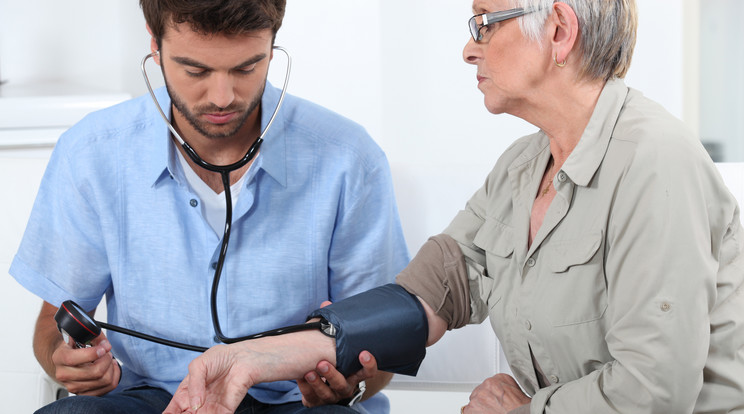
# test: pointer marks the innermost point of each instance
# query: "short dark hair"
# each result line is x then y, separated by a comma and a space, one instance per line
230, 17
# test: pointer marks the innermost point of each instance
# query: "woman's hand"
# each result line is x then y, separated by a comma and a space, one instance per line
496, 395
217, 382
219, 378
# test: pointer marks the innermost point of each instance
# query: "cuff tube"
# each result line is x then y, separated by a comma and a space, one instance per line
387, 321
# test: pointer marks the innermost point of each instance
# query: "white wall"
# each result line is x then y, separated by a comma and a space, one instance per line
395, 67
722, 80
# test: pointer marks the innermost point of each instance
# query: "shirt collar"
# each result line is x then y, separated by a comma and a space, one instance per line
586, 158
274, 149
158, 158
161, 158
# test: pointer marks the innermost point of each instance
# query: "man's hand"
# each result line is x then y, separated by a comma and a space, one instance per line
336, 387
496, 395
86, 371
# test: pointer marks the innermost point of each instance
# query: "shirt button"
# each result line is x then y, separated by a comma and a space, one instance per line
553, 379
561, 176
530, 262
216, 339
666, 306
193, 202
527, 325
214, 265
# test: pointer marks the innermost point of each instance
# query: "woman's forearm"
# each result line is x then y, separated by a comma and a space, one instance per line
283, 357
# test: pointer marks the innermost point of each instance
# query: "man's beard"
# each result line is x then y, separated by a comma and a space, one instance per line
203, 127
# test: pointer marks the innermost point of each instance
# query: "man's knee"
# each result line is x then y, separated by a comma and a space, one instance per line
77, 405
143, 400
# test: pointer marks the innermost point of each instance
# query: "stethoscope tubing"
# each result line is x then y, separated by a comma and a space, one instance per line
224, 171
72, 320
189, 150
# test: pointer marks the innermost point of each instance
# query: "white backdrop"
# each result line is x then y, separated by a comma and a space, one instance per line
394, 66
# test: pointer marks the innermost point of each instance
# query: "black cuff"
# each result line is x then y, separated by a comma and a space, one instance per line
387, 321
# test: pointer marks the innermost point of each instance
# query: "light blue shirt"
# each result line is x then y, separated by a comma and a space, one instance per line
316, 220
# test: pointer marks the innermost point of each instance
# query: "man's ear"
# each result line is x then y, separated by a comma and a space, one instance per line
154, 46
565, 31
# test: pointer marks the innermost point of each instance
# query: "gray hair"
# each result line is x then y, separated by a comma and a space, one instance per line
607, 33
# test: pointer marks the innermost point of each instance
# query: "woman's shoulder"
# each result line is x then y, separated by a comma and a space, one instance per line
646, 122
654, 133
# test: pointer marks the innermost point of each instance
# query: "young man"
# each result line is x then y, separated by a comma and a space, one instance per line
123, 212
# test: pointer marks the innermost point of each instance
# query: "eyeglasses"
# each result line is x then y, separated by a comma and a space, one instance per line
479, 21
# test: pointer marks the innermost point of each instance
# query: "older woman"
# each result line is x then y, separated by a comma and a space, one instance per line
605, 248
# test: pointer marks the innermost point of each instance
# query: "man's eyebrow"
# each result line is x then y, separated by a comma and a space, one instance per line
182, 60
189, 62
251, 61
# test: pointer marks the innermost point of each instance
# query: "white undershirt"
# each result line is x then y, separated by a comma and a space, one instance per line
212, 204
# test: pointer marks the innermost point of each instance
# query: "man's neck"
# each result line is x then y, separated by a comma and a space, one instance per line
217, 151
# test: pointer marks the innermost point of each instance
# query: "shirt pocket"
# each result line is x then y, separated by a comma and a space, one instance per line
575, 286
497, 241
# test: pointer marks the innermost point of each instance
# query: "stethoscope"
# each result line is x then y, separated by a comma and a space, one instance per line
72, 320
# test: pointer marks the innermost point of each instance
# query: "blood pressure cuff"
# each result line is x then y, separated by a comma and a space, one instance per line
387, 321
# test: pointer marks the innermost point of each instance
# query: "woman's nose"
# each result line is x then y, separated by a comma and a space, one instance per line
471, 52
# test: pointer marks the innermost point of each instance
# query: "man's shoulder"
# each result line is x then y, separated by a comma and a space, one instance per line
108, 126
319, 120
311, 124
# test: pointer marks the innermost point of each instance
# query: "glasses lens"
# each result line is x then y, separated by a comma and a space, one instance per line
474, 27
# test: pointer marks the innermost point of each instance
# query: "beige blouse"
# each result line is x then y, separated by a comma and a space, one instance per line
630, 296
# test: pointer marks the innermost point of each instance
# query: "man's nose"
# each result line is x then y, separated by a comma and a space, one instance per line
221, 91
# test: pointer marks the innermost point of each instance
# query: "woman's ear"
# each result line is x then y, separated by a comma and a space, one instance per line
564, 27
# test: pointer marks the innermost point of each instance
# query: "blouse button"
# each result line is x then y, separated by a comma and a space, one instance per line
193, 202
554, 379
530, 262
666, 306
527, 325
561, 176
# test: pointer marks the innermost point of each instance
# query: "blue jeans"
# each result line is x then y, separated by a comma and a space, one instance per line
148, 400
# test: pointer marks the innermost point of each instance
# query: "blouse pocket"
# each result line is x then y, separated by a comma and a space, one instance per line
562, 255
577, 291
497, 241
496, 238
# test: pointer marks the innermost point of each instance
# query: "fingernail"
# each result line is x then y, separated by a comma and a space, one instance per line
365, 357
310, 376
323, 368
195, 403
100, 351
